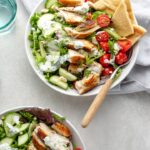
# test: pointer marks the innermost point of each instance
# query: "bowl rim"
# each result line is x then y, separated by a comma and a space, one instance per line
66, 120
74, 94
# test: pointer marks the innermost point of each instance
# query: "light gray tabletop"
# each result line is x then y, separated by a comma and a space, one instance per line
122, 123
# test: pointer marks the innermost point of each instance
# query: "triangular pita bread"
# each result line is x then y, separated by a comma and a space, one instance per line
121, 21
138, 33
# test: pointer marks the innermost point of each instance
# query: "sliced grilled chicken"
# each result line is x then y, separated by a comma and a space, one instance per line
75, 57
88, 24
37, 142
87, 83
83, 9
81, 35
61, 129
71, 18
71, 2
96, 68
31, 147
76, 69
82, 44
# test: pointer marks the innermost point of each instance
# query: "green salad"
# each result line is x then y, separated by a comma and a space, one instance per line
34, 129
75, 45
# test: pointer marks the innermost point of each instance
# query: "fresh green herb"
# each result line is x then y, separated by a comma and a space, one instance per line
63, 51
30, 37
2, 133
118, 74
97, 13
113, 33
27, 115
58, 118
87, 72
111, 47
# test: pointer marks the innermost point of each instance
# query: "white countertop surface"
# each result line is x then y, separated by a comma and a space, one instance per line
122, 123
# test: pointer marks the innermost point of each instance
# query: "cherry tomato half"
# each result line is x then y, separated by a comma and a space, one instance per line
78, 148
102, 36
125, 45
108, 71
103, 20
104, 46
105, 60
121, 58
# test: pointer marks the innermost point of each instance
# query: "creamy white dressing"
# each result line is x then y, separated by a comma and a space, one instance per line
95, 69
47, 25
83, 9
12, 129
94, 41
116, 48
58, 142
63, 79
16, 119
52, 63
5, 146
78, 44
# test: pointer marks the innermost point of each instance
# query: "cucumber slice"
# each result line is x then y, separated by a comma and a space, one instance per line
24, 127
9, 119
7, 140
56, 81
67, 75
113, 33
32, 127
50, 3
23, 139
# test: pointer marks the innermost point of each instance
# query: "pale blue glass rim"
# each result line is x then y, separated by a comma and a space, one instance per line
12, 19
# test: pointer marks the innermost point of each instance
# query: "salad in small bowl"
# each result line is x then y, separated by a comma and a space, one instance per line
32, 128
74, 45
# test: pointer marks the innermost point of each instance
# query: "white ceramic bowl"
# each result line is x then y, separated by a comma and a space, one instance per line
72, 92
76, 136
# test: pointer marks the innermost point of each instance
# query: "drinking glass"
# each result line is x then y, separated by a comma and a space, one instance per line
8, 9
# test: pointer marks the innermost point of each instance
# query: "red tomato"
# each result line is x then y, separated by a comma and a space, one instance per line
104, 46
108, 71
89, 16
103, 20
78, 148
104, 60
102, 36
125, 45
121, 58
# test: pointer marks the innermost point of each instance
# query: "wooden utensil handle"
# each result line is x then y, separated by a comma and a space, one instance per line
96, 103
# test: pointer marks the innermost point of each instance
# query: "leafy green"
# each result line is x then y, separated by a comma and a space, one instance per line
42, 50
111, 46
58, 118
2, 133
87, 72
97, 13
27, 115
34, 19
113, 33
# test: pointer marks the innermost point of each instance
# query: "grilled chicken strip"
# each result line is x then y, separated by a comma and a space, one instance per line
81, 35
76, 69
61, 129
88, 83
82, 44
71, 2
71, 18
75, 57
31, 147
37, 142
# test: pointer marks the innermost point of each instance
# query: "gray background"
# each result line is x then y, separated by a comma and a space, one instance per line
122, 123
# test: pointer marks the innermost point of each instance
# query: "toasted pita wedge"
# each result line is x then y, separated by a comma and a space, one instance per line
111, 5
71, 2
121, 21
138, 33
81, 35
